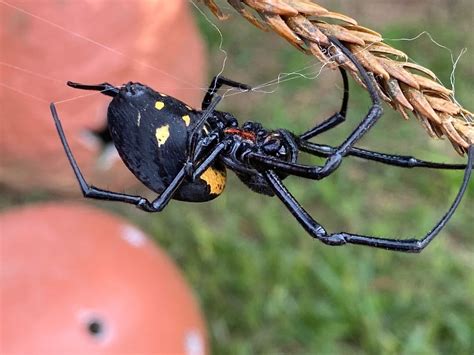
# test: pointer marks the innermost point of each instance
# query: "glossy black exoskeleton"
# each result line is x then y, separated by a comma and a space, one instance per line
182, 153
150, 131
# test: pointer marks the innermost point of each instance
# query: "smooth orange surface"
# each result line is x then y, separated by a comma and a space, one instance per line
66, 265
46, 43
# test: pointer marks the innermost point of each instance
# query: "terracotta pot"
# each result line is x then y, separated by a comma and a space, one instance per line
75, 280
46, 43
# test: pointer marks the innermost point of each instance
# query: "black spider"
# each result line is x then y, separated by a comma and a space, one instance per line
182, 153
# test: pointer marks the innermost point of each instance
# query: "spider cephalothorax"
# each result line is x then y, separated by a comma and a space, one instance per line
252, 137
182, 153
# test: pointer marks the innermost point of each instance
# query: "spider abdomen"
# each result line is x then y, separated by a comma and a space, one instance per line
150, 131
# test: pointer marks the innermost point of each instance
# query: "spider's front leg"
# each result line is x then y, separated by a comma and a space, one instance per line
339, 117
403, 161
403, 245
334, 159
375, 112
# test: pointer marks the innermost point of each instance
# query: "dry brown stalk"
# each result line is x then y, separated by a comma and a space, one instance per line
307, 26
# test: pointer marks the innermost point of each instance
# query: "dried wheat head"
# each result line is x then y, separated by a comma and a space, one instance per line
405, 86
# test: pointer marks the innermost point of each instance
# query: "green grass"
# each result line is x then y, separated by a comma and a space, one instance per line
267, 287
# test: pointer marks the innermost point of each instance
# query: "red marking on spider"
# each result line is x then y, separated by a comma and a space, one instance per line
244, 134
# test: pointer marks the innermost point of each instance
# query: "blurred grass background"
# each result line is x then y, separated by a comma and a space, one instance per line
266, 286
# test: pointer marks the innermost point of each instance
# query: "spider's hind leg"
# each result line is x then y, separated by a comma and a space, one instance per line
156, 205
104, 88
216, 84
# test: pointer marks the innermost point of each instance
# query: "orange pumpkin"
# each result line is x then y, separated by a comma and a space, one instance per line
76, 280
45, 44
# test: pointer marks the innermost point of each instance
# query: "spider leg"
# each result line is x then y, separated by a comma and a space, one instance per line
374, 113
194, 135
402, 245
93, 192
334, 159
403, 161
335, 119
104, 88
262, 161
216, 84
209, 160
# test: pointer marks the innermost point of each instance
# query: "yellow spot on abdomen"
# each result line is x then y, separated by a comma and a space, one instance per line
159, 105
186, 120
162, 134
215, 179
